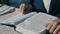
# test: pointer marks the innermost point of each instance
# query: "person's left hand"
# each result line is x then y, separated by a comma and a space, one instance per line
54, 26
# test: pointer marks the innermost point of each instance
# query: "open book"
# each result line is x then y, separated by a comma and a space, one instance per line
35, 24
32, 23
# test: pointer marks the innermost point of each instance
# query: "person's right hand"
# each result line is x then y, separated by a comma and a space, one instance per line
54, 26
24, 8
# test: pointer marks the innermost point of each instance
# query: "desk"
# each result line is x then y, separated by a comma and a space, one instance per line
6, 29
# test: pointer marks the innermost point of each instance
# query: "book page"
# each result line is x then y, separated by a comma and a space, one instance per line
7, 30
35, 23
7, 16
3, 8
17, 18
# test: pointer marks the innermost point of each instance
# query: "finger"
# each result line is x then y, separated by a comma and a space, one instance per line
57, 30
46, 25
49, 26
22, 7
54, 26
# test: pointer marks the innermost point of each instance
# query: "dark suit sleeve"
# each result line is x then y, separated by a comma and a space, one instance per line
58, 15
26, 1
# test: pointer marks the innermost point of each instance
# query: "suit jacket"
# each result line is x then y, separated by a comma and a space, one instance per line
38, 6
14, 3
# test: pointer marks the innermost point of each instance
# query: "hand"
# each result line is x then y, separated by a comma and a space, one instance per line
24, 8
54, 26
